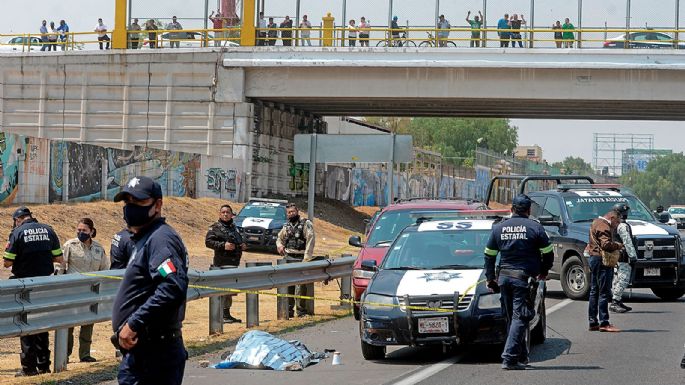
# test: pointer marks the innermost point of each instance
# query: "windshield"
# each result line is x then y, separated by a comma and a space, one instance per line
677, 210
266, 211
457, 249
585, 208
386, 228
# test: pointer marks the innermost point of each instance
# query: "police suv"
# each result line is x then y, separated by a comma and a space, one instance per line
430, 289
260, 221
567, 211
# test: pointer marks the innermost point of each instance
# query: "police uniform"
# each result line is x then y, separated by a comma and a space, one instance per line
297, 237
151, 298
120, 249
623, 271
218, 235
81, 258
32, 249
525, 252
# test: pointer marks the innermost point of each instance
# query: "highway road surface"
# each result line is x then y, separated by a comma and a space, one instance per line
648, 351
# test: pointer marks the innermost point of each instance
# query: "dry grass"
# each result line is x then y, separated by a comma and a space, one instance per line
190, 218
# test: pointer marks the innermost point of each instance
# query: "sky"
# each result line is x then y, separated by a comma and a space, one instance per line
82, 15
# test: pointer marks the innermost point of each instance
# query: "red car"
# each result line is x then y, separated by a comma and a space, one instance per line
390, 222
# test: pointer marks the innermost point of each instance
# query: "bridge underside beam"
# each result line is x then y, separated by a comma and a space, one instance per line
505, 108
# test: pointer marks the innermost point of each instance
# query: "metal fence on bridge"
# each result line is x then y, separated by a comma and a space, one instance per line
35, 305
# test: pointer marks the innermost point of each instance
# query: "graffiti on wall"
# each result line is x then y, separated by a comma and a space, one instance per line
220, 180
10, 146
299, 175
338, 183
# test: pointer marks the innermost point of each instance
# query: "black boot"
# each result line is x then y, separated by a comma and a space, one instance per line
624, 306
616, 308
229, 319
682, 363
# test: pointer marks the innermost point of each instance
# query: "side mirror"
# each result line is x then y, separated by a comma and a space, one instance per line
355, 241
548, 220
663, 217
369, 265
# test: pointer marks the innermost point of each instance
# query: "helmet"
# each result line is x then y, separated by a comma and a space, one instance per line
521, 203
21, 212
622, 209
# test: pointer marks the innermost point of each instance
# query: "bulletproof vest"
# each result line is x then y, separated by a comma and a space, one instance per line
294, 235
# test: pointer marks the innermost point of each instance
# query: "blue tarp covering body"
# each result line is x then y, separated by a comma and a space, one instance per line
260, 350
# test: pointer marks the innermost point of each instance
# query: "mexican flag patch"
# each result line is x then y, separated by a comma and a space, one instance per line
167, 267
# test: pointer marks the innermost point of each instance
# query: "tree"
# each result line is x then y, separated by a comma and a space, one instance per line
574, 166
455, 139
662, 183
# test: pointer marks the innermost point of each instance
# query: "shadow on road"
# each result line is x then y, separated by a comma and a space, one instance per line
550, 350
417, 355
563, 367
643, 331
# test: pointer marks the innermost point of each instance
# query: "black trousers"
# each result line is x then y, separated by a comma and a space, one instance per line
35, 352
103, 38
154, 363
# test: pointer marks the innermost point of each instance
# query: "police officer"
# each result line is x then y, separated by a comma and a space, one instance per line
149, 308
224, 238
120, 249
296, 242
32, 251
525, 253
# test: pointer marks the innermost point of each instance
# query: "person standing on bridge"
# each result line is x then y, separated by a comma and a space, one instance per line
272, 32
149, 307
567, 35
503, 28
81, 255
515, 24
287, 31
44, 36
444, 27
296, 242
261, 30
558, 35
305, 31
217, 26
33, 250
134, 34
174, 37
352, 31
601, 240
63, 30
476, 24
623, 270
525, 253
151, 36
101, 30
364, 30
224, 238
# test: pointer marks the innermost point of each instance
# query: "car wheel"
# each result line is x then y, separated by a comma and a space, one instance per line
539, 333
668, 293
575, 282
372, 352
355, 311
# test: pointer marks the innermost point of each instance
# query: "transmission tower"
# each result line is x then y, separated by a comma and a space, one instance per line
609, 150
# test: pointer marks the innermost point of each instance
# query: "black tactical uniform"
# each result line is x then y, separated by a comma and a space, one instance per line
217, 236
32, 248
152, 297
120, 249
526, 252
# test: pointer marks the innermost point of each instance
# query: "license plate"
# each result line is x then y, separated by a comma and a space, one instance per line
253, 238
652, 272
433, 325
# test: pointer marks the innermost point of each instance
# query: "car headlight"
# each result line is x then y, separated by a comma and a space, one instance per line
364, 274
489, 301
379, 302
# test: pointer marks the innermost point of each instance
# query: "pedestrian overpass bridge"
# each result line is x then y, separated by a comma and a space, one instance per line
246, 104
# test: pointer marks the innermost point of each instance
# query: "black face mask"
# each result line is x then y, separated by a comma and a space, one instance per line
295, 219
135, 215
82, 236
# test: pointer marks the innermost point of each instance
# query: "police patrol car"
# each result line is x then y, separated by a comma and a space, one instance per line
567, 212
430, 289
259, 222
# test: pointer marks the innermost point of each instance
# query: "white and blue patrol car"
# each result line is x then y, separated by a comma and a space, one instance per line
430, 289
260, 221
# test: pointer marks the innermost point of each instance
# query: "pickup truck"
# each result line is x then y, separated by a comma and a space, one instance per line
567, 210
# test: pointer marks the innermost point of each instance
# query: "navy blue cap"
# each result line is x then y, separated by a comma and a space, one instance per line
141, 188
21, 212
622, 209
521, 202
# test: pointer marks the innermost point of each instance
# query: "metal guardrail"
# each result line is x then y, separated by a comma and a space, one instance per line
35, 305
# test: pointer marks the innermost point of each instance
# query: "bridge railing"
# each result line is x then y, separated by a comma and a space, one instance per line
35, 305
419, 36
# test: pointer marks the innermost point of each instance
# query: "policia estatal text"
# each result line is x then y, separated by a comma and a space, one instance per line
150, 306
32, 251
526, 253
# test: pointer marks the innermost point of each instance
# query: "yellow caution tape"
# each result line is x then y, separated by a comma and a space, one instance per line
306, 297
